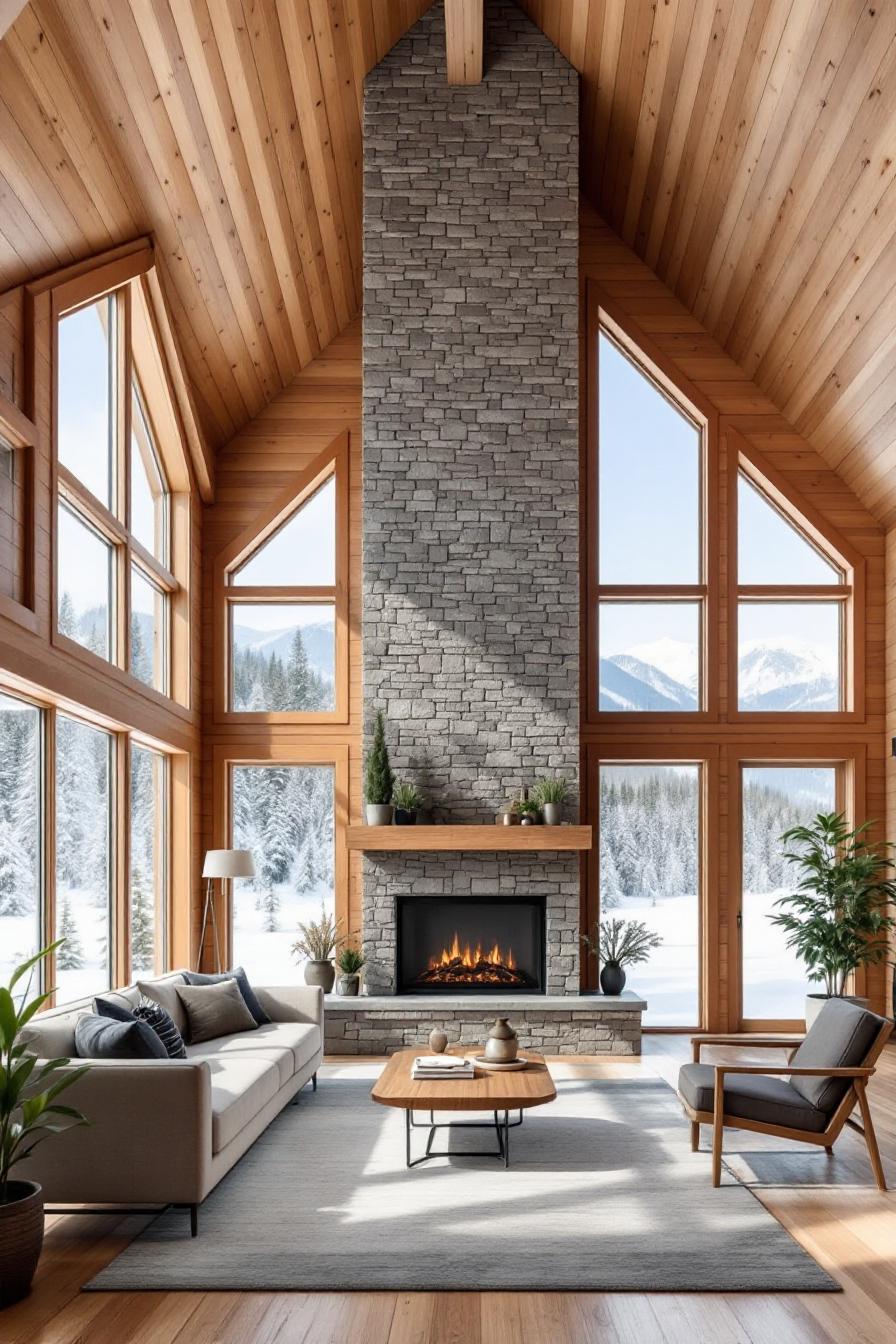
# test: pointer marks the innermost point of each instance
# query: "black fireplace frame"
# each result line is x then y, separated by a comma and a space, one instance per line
478, 991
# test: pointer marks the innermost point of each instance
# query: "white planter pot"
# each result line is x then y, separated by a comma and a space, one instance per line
379, 814
815, 1003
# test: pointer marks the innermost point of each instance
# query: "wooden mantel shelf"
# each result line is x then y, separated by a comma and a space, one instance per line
501, 838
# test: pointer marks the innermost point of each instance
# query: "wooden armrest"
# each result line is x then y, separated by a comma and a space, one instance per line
790, 1071
745, 1039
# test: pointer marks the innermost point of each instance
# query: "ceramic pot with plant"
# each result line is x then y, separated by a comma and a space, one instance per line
837, 919
29, 1114
619, 943
551, 794
317, 942
379, 781
529, 812
408, 801
350, 962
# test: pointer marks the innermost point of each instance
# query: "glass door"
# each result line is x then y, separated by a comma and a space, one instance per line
773, 799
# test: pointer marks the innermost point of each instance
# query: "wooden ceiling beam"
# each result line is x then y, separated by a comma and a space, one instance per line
464, 41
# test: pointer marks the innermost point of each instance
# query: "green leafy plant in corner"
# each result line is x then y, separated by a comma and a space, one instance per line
551, 791
350, 960
379, 781
622, 942
29, 1110
837, 920
407, 797
318, 939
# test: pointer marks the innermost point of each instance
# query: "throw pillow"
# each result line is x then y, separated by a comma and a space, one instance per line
215, 1010
116, 1011
164, 993
104, 1038
239, 975
164, 1026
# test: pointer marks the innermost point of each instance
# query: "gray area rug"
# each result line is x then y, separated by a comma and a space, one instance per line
603, 1194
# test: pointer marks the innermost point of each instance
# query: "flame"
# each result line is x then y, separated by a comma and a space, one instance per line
470, 957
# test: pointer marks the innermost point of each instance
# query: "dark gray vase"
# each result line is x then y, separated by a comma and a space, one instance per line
321, 973
405, 817
612, 978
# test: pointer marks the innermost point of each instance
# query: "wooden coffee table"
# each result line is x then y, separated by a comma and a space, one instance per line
499, 1093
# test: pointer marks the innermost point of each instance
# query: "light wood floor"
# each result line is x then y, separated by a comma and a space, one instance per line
848, 1226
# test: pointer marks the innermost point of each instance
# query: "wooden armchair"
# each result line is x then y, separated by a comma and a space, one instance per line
809, 1099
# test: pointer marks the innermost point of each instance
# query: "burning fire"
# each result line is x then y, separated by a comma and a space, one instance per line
457, 956
468, 965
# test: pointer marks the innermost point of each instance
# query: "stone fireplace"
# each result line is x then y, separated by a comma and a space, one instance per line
476, 945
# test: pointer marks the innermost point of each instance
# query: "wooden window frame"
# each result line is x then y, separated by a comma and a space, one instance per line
163, 851
850, 761
707, 756
225, 758
19, 434
141, 365
602, 315
744, 459
332, 462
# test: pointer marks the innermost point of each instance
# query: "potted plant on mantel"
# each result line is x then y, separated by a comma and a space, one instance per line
317, 942
29, 1114
619, 943
350, 962
551, 794
379, 781
836, 920
408, 801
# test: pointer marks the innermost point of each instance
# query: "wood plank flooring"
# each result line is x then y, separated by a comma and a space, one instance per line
847, 1226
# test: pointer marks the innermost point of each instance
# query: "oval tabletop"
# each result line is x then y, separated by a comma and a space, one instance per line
488, 1091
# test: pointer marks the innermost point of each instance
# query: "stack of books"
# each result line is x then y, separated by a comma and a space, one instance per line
442, 1066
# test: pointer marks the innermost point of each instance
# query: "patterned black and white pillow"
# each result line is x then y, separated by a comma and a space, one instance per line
163, 1025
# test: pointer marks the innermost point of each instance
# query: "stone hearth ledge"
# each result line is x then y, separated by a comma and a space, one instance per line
556, 1024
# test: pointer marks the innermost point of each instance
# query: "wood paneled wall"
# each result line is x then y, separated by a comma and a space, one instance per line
253, 470
681, 347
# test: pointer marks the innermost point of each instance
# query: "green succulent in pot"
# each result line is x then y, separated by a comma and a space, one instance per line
350, 962
408, 800
30, 1113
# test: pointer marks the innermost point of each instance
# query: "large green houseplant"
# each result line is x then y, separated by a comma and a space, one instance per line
837, 918
29, 1114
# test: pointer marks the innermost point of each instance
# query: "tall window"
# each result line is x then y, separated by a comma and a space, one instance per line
650, 871
284, 598
791, 615
21, 833
84, 868
113, 568
650, 567
284, 814
148, 891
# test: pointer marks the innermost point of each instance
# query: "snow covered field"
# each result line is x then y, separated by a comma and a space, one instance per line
265, 955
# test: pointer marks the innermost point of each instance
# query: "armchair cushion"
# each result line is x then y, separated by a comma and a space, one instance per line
771, 1101
839, 1038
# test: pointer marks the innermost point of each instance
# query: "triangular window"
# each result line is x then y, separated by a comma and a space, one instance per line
302, 552
770, 549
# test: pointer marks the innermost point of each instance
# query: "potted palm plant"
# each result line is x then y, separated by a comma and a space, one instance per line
317, 941
29, 1114
379, 780
350, 961
408, 801
837, 918
551, 794
619, 943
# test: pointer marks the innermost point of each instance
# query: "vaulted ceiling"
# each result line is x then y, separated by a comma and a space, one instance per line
746, 150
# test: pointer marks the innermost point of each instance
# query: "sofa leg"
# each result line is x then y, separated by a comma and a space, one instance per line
194, 1220
314, 1082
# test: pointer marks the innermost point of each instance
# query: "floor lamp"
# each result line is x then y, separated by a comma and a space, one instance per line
221, 864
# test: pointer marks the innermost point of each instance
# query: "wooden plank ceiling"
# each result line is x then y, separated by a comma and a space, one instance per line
746, 150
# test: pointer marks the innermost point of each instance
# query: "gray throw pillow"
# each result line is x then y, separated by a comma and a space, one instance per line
103, 1038
239, 975
215, 1010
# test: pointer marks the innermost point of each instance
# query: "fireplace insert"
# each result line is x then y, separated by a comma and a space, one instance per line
471, 945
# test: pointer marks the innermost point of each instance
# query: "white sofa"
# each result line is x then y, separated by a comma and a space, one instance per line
166, 1131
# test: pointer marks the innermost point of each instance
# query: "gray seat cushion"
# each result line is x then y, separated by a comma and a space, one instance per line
751, 1096
289, 1044
839, 1038
241, 1087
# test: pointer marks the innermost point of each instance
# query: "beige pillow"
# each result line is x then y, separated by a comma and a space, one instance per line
164, 992
215, 1010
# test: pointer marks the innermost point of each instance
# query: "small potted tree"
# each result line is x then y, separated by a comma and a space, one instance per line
317, 941
837, 918
619, 943
551, 794
379, 780
350, 961
29, 1114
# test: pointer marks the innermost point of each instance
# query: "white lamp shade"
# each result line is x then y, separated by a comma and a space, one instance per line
228, 863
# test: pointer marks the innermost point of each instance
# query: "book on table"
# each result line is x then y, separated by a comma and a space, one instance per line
442, 1066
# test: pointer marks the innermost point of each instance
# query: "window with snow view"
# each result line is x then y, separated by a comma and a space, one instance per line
283, 814
21, 836
148, 897
650, 871
283, 592
791, 613
84, 801
650, 536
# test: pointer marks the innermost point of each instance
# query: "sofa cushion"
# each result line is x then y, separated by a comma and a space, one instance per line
288, 1044
52, 1035
839, 1038
751, 1096
241, 1086
164, 992
103, 1038
242, 980
215, 1010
